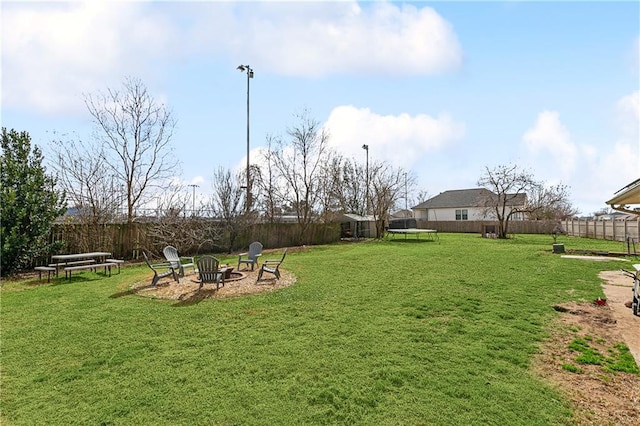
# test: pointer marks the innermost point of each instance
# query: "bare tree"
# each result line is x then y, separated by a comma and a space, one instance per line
387, 185
349, 186
423, 195
508, 186
84, 177
550, 203
189, 232
268, 182
517, 192
329, 206
299, 164
135, 132
92, 193
227, 203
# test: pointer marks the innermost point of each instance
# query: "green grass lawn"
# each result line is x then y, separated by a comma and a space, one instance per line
377, 333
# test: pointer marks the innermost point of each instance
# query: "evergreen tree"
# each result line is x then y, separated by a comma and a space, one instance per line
29, 203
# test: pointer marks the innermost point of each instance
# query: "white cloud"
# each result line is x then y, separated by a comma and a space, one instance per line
550, 142
54, 52
604, 172
400, 139
593, 173
328, 38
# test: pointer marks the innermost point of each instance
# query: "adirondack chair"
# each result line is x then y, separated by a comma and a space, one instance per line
160, 270
178, 262
209, 272
255, 251
271, 266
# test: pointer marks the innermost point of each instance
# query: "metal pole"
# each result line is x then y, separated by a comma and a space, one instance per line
406, 208
193, 209
249, 72
366, 148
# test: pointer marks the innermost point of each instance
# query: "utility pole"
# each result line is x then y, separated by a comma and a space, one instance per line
366, 212
406, 208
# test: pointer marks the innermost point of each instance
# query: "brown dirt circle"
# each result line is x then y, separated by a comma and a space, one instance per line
598, 397
187, 288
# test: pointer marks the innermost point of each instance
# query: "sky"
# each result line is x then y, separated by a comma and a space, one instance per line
443, 89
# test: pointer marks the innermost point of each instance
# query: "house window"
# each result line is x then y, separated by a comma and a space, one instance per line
462, 214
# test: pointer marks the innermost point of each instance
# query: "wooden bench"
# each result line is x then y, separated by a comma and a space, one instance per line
47, 269
116, 262
59, 265
92, 266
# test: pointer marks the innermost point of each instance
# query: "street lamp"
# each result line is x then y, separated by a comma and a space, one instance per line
249, 71
193, 209
366, 148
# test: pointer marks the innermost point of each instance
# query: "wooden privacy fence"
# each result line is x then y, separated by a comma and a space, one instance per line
125, 241
481, 226
616, 230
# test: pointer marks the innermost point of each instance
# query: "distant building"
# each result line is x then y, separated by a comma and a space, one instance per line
465, 204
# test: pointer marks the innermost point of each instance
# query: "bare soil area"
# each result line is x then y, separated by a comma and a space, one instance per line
187, 291
599, 397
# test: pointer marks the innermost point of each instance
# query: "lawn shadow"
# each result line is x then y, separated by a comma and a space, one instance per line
130, 292
411, 241
76, 279
195, 297
133, 291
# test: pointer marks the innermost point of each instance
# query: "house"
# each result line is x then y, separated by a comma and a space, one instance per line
619, 216
465, 204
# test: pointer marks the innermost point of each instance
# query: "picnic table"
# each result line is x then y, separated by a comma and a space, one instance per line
78, 261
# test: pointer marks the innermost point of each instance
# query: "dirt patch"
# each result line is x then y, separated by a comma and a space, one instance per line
187, 289
598, 396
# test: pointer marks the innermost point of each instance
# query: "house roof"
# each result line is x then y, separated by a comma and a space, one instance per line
630, 194
402, 214
467, 198
352, 217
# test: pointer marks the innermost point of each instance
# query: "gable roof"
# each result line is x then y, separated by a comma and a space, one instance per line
467, 198
352, 217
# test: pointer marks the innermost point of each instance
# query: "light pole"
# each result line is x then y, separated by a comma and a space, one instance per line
406, 208
366, 148
193, 209
249, 71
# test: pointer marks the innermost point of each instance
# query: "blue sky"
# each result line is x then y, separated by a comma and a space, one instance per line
442, 89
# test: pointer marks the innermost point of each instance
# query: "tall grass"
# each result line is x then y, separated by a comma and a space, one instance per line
383, 332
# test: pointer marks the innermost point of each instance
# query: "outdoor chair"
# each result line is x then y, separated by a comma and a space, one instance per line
160, 270
271, 266
209, 272
255, 251
178, 262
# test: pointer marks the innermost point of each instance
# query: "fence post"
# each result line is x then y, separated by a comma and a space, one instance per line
614, 232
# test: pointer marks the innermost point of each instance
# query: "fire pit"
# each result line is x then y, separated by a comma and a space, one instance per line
227, 272
231, 275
